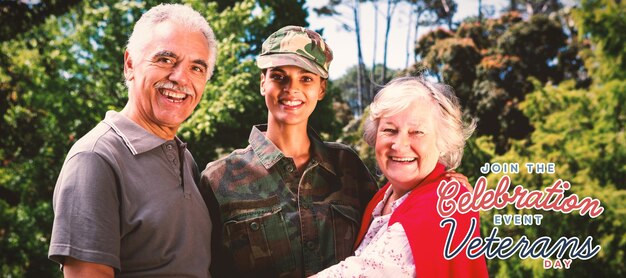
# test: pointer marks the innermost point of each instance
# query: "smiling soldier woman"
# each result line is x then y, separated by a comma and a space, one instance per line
290, 203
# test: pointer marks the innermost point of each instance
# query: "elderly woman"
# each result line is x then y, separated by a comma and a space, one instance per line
416, 129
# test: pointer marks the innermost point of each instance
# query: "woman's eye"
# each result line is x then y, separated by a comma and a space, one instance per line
277, 77
417, 132
307, 79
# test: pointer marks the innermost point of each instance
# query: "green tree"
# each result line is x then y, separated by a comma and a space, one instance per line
347, 84
281, 14
489, 63
20, 16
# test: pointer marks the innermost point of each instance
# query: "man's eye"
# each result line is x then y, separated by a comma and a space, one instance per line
389, 130
165, 60
307, 79
198, 69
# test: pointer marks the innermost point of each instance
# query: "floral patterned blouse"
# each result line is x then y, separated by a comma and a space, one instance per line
384, 251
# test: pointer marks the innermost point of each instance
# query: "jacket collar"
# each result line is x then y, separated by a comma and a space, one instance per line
269, 154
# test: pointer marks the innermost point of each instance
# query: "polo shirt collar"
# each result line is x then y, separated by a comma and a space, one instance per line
136, 138
269, 154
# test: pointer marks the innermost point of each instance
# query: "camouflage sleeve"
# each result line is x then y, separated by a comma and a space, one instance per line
368, 185
219, 261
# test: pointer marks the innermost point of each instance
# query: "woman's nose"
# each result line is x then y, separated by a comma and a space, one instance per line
291, 87
401, 142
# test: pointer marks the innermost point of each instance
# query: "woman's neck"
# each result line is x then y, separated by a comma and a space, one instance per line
292, 140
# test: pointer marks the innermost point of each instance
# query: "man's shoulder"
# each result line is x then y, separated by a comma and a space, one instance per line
101, 139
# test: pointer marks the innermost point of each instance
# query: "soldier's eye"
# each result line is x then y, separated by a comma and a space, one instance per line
277, 77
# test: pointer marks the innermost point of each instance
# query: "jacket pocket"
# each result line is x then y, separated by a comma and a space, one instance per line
258, 240
345, 226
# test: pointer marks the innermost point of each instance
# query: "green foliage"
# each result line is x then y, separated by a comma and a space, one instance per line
348, 87
280, 13
58, 79
20, 16
603, 22
582, 132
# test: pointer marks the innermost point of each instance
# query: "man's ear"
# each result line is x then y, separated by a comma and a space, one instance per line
322, 90
128, 66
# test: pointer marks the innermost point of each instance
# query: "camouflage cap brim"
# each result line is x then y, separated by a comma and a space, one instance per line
289, 59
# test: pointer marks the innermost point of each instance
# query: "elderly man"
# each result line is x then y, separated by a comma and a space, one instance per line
126, 201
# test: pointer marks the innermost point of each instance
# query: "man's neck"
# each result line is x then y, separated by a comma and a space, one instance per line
167, 133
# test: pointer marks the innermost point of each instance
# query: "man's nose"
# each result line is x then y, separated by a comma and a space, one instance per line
179, 75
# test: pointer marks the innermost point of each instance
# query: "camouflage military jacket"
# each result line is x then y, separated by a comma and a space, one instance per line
277, 222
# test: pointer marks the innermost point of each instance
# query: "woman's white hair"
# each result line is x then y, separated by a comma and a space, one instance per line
177, 13
399, 94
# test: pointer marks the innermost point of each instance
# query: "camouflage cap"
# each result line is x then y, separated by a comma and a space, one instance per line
296, 46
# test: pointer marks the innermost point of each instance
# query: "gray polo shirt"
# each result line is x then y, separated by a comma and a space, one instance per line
128, 199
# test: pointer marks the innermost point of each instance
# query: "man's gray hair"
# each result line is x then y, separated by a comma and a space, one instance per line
177, 13
399, 94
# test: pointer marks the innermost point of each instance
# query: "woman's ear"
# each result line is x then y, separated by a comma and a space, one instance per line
322, 90
262, 82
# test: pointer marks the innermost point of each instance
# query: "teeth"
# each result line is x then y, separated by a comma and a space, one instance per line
175, 96
403, 159
292, 102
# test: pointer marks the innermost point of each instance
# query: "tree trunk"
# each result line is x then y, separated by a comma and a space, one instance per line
373, 68
512, 5
408, 42
390, 10
448, 14
419, 13
360, 76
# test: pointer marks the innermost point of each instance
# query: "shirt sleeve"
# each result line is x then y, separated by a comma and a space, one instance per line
388, 256
86, 212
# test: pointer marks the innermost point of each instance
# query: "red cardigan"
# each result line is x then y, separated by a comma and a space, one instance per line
420, 220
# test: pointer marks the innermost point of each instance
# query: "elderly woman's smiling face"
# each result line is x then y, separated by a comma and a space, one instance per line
406, 149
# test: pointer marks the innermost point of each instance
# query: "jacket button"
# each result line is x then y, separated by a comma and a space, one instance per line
310, 245
254, 226
289, 168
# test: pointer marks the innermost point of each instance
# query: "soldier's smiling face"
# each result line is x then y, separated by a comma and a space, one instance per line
291, 93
